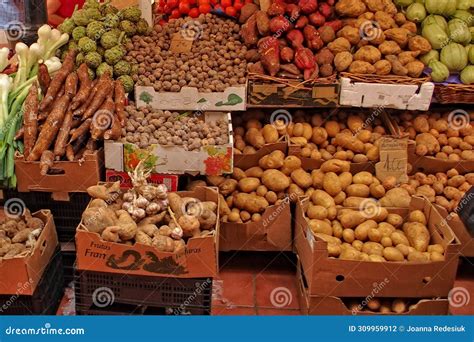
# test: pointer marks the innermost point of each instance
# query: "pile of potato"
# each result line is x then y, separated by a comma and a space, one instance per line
18, 235
351, 136
380, 305
377, 39
440, 134
145, 127
444, 189
216, 61
379, 237
147, 215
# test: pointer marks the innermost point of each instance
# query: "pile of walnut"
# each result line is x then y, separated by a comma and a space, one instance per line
216, 61
379, 237
347, 136
145, 127
147, 215
446, 136
18, 236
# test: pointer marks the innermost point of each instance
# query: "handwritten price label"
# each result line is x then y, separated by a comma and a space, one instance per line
393, 159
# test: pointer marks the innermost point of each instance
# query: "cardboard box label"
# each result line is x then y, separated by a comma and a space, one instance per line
393, 159
171, 181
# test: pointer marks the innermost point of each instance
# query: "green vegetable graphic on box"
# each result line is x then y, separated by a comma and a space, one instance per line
133, 155
146, 97
232, 100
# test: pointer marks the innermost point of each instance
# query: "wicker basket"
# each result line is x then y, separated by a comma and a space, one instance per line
385, 79
454, 93
297, 83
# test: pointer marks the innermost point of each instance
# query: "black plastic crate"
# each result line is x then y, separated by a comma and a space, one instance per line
118, 309
143, 294
67, 214
46, 298
69, 259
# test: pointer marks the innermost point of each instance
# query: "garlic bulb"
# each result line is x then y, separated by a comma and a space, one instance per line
177, 233
141, 202
128, 197
153, 208
126, 206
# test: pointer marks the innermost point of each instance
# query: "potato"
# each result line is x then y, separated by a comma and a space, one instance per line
250, 203
301, 178
337, 229
349, 254
249, 184
291, 163
386, 241
436, 248
373, 248
270, 134
436, 256
417, 216
399, 306
348, 235
376, 258
275, 180
358, 190
357, 244
320, 226
354, 202
343, 59
363, 177
334, 250
352, 219
398, 237
375, 235
345, 179
273, 160
416, 256
336, 166
362, 230
418, 235
386, 228
328, 238
322, 198
389, 47
316, 212
393, 254
361, 67
317, 177
395, 220
254, 137
237, 174
319, 135
368, 54
271, 197
228, 186
331, 184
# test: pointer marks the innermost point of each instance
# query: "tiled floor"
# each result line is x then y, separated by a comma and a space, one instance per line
265, 284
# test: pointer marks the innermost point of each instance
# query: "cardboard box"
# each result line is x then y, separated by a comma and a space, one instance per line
461, 231
397, 96
200, 258
189, 98
342, 278
210, 160
171, 181
21, 275
271, 234
292, 94
75, 176
332, 306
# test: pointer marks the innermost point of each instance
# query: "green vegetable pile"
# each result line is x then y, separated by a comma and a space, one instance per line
99, 32
449, 27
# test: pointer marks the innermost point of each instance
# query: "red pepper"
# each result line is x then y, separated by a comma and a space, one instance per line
335, 24
325, 9
301, 22
294, 11
308, 6
313, 38
276, 8
304, 59
296, 38
317, 19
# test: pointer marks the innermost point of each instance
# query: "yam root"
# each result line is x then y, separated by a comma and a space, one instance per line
119, 99
44, 79
63, 136
85, 87
46, 162
50, 129
81, 130
102, 119
58, 80
104, 89
30, 120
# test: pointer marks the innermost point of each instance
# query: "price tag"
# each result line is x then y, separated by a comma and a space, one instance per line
393, 159
180, 43
465, 210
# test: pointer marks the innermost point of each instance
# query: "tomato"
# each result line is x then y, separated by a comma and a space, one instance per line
184, 7
203, 2
204, 8
194, 12
175, 14
249, 1
192, 2
172, 3
226, 3
238, 5
231, 11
